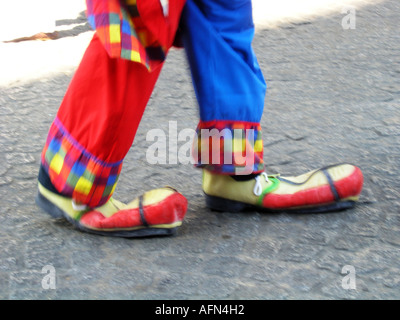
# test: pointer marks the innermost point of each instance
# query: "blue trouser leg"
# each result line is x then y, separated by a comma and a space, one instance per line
229, 85
228, 82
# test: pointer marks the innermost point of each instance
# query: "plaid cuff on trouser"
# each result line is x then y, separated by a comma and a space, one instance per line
229, 147
76, 173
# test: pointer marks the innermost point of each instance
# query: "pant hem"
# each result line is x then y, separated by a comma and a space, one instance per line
76, 173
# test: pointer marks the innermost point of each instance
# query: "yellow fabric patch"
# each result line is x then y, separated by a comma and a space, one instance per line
83, 186
258, 146
239, 145
135, 56
57, 163
115, 34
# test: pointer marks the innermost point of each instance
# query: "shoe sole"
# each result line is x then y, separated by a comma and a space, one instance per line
226, 205
56, 212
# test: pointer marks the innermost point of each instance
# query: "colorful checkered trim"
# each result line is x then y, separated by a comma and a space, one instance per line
229, 147
123, 33
76, 173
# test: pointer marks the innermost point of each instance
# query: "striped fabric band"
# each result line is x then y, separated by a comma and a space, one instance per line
229, 147
76, 173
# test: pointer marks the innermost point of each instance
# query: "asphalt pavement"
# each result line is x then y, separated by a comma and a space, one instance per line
333, 96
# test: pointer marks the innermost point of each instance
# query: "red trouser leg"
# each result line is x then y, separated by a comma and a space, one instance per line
96, 124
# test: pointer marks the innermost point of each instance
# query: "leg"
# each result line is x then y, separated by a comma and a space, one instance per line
228, 82
230, 91
95, 126
87, 142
